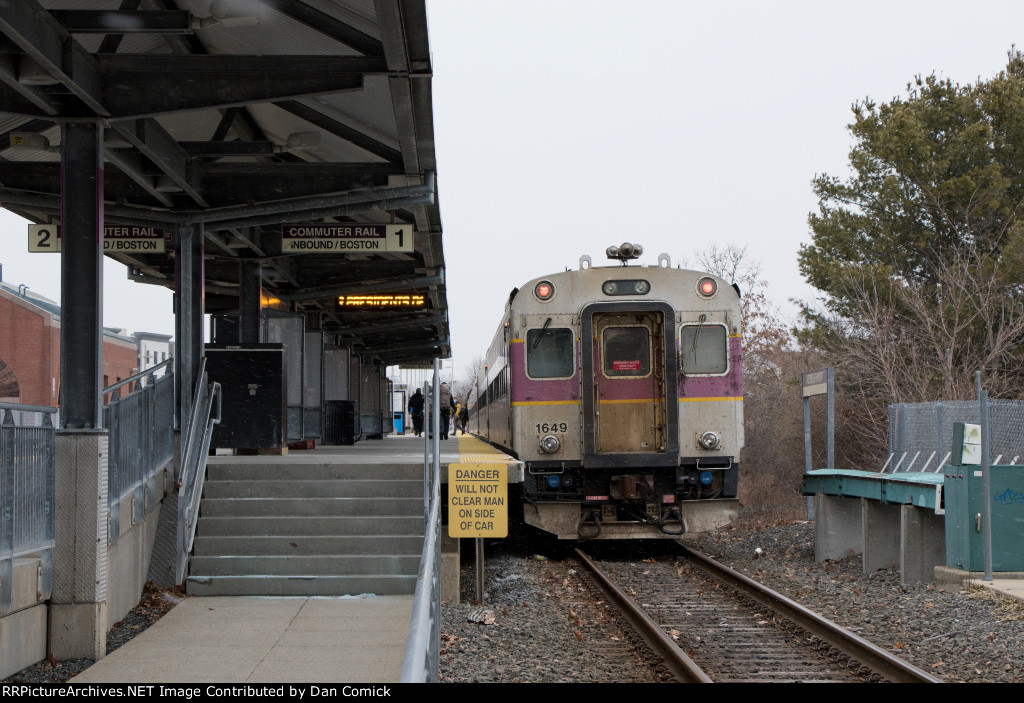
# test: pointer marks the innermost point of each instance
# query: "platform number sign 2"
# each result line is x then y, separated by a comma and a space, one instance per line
43, 238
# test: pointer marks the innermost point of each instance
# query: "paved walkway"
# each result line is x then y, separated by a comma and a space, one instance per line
255, 639
350, 639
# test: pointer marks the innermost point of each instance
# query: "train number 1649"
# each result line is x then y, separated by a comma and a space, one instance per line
552, 427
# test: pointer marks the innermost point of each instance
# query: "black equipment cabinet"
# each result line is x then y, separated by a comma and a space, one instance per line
252, 381
339, 422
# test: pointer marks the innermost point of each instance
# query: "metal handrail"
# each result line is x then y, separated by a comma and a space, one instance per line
423, 646
195, 448
135, 377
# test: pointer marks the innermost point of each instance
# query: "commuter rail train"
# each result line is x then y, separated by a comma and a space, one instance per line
620, 390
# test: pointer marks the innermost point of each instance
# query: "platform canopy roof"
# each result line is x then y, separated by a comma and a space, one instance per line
245, 116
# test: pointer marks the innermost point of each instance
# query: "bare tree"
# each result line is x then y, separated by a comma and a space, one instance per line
923, 339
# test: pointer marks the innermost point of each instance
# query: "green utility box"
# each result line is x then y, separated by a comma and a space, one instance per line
963, 501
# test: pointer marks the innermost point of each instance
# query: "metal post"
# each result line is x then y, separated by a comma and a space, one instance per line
807, 452
830, 455
188, 320
479, 570
250, 298
986, 485
81, 271
426, 459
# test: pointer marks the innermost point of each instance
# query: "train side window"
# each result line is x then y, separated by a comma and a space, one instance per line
549, 353
627, 351
704, 349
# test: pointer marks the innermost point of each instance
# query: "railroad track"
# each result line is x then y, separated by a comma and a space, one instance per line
708, 623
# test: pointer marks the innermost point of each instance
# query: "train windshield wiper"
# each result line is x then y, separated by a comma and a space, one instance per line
543, 331
696, 336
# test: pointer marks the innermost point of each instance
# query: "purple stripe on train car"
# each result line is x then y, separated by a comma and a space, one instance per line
527, 390
728, 386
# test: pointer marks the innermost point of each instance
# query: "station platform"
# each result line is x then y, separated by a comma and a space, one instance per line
298, 639
893, 520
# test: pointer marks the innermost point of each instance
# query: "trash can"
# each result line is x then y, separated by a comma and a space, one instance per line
399, 423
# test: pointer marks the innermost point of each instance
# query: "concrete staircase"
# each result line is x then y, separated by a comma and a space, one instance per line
307, 529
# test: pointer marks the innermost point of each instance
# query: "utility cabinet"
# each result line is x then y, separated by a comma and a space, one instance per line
252, 382
963, 501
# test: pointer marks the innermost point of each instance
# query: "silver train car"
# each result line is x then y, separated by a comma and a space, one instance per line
621, 390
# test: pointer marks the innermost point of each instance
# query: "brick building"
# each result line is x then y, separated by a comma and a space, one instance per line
30, 348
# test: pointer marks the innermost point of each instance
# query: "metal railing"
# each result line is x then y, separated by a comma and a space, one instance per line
140, 428
194, 450
423, 646
27, 460
921, 434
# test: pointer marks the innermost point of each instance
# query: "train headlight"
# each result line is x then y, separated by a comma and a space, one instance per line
626, 287
549, 444
710, 440
707, 287
544, 290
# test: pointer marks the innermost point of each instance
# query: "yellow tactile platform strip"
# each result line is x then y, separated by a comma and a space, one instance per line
475, 451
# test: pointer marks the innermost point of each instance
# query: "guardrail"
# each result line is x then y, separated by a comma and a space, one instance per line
141, 442
194, 451
423, 646
27, 462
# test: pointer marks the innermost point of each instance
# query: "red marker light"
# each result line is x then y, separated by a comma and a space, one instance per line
707, 287
544, 290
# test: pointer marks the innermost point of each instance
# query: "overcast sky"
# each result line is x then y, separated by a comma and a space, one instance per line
565, 126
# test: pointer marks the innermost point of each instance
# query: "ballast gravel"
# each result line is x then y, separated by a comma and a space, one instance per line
545, 629
539, 623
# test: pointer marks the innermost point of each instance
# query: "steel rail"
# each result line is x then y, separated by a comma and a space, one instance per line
878, 660
679, 665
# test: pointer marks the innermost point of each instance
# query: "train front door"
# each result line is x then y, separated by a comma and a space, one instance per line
629, 382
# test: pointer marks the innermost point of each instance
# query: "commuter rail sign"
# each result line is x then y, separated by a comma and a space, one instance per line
477, 500
116, 238
345, 238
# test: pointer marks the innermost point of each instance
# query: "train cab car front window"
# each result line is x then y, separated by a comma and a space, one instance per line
549, 353
704, 349
627, 351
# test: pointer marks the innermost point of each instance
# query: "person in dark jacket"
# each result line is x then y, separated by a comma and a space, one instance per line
416, 410
464, 417
447, 404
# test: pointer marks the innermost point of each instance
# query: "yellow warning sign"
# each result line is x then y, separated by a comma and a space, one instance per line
477, 500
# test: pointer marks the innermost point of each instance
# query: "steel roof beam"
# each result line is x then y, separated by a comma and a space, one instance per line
130, 164
303, 169
385, 205
316, 202
208, 81
393, 326
112, 41
149, 137
368, 288
51, 46
328, 25
125, 21
18, 98
341, 130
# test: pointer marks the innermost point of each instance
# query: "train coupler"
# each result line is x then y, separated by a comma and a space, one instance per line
589, 516
675, 515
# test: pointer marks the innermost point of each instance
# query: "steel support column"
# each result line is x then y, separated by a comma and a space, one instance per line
188, 317
250, 296
81, 329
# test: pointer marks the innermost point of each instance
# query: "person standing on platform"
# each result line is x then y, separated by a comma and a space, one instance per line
447, 403
464, 417
416, 410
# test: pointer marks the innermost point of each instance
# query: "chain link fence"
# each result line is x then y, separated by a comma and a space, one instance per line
921, 434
